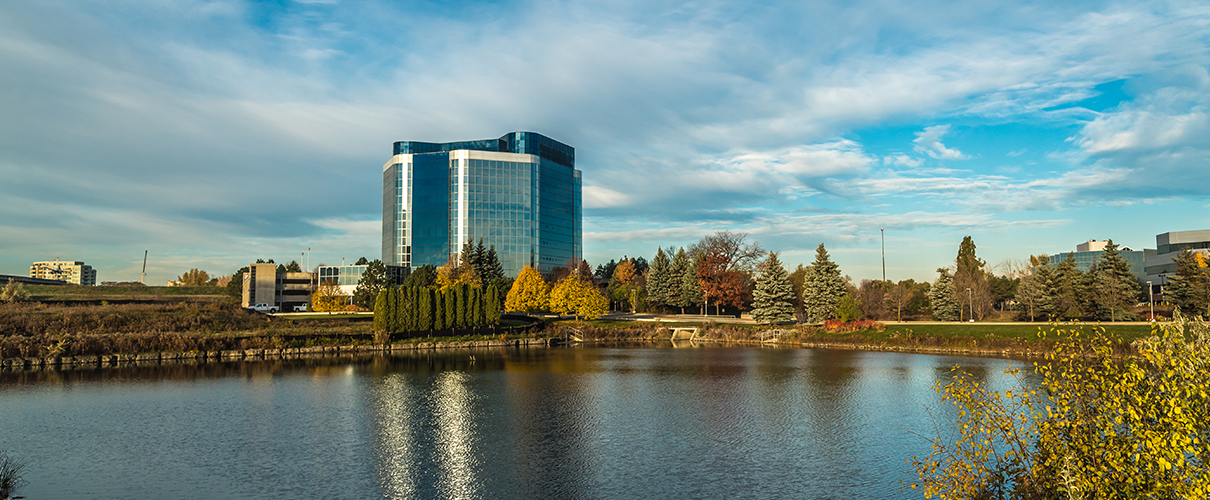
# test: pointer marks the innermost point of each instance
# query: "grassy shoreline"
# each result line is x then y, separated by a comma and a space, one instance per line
41, 329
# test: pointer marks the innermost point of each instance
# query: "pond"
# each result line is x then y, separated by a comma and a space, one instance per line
649, 421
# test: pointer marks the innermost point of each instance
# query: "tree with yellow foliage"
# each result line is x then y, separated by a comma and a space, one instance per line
328, 298
529, 292
1100, 426
454, 273
572, 295
194, 277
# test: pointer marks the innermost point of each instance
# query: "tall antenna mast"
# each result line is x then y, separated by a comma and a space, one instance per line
143, 280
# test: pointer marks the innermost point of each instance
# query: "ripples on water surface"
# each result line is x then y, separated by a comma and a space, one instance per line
626, 422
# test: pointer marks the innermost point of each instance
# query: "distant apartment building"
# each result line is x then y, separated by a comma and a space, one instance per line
1087, 254
1162, 263
264, 285
347, 277
71, 271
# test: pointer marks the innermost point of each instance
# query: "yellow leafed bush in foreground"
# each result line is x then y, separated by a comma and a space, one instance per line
1100, 426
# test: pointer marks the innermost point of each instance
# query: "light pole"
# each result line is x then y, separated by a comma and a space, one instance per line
1151, 300
882, 231
971, 301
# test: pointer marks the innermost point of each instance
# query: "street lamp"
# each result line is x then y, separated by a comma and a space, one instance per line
882, 231
1151, 300
971, 301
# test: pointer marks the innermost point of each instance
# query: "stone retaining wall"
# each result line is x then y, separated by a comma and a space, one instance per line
108, 360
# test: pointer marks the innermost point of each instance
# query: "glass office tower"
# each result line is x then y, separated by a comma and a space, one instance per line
519, 193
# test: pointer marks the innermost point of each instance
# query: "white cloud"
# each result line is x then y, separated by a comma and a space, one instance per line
929, 142
902, 160
599, 197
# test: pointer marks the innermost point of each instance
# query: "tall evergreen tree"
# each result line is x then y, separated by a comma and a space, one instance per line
1189, 289
439, 310
822, 288
425, 297
492, 305
1116, 287
476, 307
479, 258
676, 272
773, 297
381, 320
404, 311
1070, 290
691, 288
798, 281
970, 272
463, 305
372, 281
424, 275
945, 307
451, 309
658, 279
389, 310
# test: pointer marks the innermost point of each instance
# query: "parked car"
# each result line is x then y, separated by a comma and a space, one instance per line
264, 308
300, 309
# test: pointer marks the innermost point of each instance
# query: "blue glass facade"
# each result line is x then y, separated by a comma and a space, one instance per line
519, 193
1085, 260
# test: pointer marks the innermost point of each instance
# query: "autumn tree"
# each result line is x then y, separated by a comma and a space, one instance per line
574, 295
871, 296
899, 296
328, 298
719, 284
773, 297
529, 292
624, 283
194, 277
731, 250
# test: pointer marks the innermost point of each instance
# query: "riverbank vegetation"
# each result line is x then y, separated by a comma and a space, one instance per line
11, 471
1004, 339
1100, 425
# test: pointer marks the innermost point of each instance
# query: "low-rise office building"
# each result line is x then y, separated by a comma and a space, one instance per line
1162, 264
285, 290
71, 271
347, 277
1087, 254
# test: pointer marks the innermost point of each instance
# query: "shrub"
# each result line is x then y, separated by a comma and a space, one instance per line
10, 474
14, 291
1100, 426
840, 326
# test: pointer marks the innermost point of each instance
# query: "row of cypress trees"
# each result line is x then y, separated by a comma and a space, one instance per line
420, 308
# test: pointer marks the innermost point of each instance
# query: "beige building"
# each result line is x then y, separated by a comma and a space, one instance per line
74, 272
264, 285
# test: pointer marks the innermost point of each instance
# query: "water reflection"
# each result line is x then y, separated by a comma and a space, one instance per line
593, 421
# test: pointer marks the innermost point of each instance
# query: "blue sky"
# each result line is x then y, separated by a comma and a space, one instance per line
212, 133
